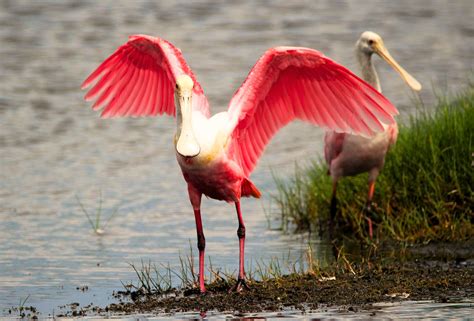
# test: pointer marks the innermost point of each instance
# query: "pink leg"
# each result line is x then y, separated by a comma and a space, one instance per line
370, 195
241, 235
241, 284
195, 198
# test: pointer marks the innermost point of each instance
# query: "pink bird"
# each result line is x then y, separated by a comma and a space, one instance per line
348, 155
148, 76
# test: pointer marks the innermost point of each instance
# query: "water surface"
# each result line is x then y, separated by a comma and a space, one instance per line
54, 148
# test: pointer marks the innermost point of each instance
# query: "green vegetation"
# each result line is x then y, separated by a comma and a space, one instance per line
96, 223
153, 279
425, 191
24, 311
21, 306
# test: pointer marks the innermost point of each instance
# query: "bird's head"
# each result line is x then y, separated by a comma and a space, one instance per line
186, 144
184, 85
370, 42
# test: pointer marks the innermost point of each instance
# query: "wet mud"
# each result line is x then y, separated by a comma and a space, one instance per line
396, 282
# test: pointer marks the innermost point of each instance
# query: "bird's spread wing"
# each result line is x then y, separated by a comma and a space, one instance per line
292, 82
138, 79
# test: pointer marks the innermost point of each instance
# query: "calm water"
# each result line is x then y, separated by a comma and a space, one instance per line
54, 148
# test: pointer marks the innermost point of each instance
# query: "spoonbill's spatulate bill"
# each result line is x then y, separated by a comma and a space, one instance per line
348, 154
148, 76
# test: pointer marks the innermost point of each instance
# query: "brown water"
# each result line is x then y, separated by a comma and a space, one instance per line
54, 148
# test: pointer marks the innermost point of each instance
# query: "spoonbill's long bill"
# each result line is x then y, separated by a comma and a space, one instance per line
148, 76
348, 154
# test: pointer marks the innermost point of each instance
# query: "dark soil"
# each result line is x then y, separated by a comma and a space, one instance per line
442, 282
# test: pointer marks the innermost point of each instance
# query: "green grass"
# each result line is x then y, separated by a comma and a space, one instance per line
95, 221
163, 279
424, 193
153, 279
21, 306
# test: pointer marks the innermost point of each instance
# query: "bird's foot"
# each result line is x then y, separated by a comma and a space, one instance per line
195, 291
240, 286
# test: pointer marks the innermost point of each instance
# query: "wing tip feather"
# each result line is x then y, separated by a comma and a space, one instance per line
85, 84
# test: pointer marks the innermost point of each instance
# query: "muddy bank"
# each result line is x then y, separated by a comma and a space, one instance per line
443, 282
442, 273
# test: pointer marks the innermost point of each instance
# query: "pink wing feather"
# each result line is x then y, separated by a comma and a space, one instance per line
138, 79
292, 82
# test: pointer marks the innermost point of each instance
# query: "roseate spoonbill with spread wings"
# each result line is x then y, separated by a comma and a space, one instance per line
148, 76
347, 154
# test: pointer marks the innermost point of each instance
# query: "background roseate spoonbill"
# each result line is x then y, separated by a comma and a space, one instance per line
349, 155
217, 154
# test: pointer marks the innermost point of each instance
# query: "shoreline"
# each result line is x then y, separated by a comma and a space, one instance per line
439, 273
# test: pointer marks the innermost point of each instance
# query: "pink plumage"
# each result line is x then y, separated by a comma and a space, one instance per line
138, 79
288, 83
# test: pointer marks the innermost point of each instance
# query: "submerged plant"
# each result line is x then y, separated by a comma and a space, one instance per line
95, 222
425, 191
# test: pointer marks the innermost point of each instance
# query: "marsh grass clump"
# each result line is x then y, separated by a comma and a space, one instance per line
23, 311
95, 221
162, 279
425, 191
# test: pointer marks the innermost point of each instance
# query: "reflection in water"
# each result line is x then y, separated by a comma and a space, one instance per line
53, 147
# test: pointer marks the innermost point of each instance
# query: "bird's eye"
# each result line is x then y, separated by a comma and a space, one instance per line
371, 42
176, 86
